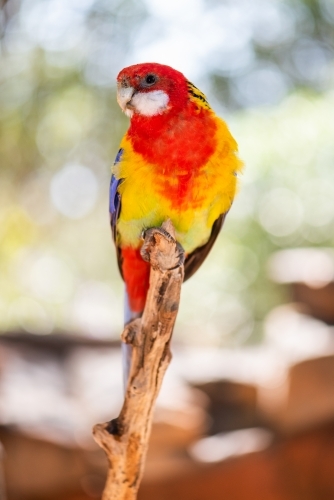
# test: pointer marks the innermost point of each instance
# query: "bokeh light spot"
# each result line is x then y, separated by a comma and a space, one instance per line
281, 212
74, 191
49, 277
30, 315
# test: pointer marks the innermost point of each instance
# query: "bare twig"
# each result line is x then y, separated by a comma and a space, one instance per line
125, 439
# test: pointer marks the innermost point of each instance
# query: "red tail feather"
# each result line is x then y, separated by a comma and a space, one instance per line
136, 273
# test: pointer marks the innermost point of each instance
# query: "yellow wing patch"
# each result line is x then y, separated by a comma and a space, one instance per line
197, 96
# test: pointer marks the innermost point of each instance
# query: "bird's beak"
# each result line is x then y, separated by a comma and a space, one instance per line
124, 96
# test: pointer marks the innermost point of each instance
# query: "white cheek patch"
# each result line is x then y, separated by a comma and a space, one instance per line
150, 103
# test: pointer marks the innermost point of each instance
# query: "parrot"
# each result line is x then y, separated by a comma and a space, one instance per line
177, 161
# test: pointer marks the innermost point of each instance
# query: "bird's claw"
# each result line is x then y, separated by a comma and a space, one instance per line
148, 233
149, 236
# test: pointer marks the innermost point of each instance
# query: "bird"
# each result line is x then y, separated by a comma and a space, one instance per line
178, 161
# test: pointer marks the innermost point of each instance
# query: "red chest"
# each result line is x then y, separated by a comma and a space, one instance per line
175, 143
178, 147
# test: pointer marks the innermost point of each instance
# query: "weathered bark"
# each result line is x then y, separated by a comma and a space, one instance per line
125, 439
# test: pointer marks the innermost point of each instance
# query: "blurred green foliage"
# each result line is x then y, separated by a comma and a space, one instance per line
269, 71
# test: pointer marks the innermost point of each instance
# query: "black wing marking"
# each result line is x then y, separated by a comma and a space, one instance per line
196, 258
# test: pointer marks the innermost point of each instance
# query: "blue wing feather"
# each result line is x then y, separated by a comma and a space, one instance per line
114, 196
114, 209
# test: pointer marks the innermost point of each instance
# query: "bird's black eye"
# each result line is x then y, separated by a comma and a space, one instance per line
150, 79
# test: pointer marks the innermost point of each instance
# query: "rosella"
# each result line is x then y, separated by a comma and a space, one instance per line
177, 161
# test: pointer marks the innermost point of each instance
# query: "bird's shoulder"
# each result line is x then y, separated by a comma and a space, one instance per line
197, 97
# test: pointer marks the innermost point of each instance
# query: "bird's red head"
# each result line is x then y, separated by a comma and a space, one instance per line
151, 89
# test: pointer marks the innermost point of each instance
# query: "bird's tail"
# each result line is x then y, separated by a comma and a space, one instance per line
136, 274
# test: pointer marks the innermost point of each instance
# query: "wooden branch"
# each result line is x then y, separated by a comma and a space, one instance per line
125, 439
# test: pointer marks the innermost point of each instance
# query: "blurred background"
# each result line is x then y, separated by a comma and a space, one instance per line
250, 391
